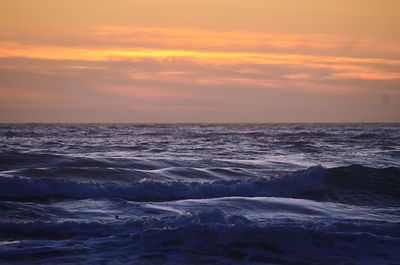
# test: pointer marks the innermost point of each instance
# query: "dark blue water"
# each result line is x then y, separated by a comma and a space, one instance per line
200, 194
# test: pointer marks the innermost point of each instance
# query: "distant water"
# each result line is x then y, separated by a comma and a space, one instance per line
200, 194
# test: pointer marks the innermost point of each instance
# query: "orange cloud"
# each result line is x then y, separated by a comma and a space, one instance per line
244, 41
368, 75
340, 67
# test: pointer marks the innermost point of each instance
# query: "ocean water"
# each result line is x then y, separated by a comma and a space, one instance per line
200, 194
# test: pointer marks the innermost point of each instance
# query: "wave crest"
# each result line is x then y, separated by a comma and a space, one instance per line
353, 185
292, 185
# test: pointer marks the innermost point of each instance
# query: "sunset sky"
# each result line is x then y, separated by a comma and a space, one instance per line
199, 61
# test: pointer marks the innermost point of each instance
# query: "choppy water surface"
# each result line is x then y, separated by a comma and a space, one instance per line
200, 194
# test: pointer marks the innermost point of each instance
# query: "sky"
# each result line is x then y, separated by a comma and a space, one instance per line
162, 61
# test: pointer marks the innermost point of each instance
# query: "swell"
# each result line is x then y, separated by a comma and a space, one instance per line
14, 160
118, 169
356, 183
214, 235
211, 218
25, 189
353, 184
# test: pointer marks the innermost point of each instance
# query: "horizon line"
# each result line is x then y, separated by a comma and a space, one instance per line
201, 123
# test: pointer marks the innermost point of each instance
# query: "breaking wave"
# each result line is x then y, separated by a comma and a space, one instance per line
353, 185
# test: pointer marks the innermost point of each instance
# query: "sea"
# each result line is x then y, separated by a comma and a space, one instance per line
200, 194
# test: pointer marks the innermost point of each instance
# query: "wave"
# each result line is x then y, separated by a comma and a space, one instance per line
353, 185
357, 182
12, 160
211, 237
216, 217
16, 188
47, 229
